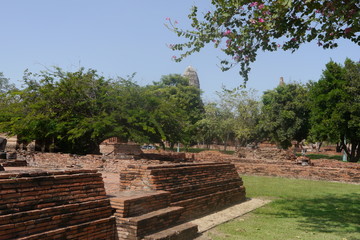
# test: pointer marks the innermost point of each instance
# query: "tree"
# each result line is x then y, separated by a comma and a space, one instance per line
335, 107
208, 128
175, 110
233, 118
75, 111
217, 124
285, 114
241, 27
5, 86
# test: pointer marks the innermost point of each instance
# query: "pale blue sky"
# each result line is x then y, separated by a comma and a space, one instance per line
118, 38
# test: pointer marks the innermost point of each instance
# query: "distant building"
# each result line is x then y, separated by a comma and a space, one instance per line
191, 74
281, 82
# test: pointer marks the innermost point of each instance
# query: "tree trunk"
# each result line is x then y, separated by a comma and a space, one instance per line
354, 155
162, 145
318, 146
172, 146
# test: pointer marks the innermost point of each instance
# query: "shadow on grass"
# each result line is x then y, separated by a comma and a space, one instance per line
330, 213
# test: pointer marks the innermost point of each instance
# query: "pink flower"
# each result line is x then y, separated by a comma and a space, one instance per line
261, 20
261, 6
252, 21
227, 32
253, 4
278, 45
173, 57
167, 19
176, 22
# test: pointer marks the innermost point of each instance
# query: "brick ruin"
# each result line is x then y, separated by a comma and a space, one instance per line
156, 202
172, 194
158, 195
283, 164
55, 205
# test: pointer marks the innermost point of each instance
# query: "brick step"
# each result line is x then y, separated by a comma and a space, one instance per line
196, 207
182, 179
185, 165
135, 203
13, 163
183, 193
95, 230
150, 222
35, 221
27, 192
185, 231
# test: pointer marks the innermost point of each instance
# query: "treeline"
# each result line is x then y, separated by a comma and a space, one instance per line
75, 111
327, 110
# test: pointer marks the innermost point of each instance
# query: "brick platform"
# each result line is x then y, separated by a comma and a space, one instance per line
148, 215
55, 205
13, 163
201, 188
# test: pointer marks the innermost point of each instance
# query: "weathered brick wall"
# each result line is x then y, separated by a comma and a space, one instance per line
55, 205
198, 187
322, 170
90, 161
135, 203
120, 148
144, 214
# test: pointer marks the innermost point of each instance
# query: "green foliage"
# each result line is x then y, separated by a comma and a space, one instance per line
335, 107
8, 99
233, 118
5, 86
241, 28
285, 114
73, 110
76, 111
176, 108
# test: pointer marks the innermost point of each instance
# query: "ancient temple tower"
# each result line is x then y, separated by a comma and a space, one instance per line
281, 82
191, 74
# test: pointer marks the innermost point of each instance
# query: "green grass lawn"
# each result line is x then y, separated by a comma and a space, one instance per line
300, 209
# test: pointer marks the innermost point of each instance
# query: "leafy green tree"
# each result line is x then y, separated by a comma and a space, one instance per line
234, 118
5, 85
76, 111
7, 98
208, 128
285, 114
241, 27
176, 109
335, 107
245, 109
